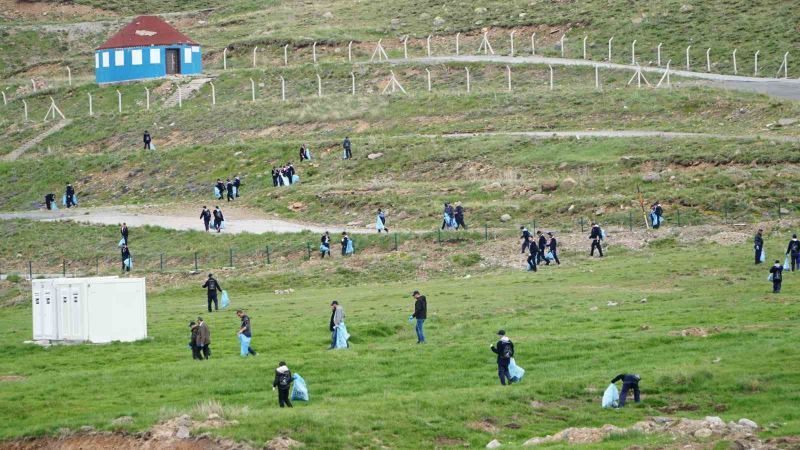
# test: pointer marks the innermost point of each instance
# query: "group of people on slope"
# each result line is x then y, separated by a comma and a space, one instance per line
229, 189
125, 251
284, 176
325, 245
453, 217
791, 260
218, 219
541, 249
69, 199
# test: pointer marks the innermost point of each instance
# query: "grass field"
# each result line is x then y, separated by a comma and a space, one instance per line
388, 391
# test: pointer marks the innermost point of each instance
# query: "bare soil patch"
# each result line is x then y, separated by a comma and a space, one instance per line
48, 11
11, 378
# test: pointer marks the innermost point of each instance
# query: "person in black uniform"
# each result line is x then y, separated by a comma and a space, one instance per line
237, 183
347, 148
758, 244
283, 381
460, 216
220, 188
596, 235
420, 313
553, 244
125, 254
48, 200
229, 189
533, 256
659, 212
275, 177
70, 194
290, 172
505, 351
218, 219
325, 240
793, 250
628, 382
123, 230
212, 286
345, 241
147, 140
542, 245
525, 239
205, 214
776, 272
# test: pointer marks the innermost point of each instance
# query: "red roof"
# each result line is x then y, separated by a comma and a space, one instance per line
145, 31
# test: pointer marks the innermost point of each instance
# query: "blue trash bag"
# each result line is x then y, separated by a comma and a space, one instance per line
244, 344
342, 336
786, 263
530, 267
602, 234
549, 256
121, 243
75, 199
128, 263
379, 224
54, 205
349, 249
515, 371
222, 225
295, 179
64, 200
217, 194
324, 248
763, 256
611, 397
225, 299
299, 388
769, 277
235, 191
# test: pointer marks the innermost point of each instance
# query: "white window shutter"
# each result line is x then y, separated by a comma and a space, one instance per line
187, 55
106, 58
155, 56
136, 57
119, 58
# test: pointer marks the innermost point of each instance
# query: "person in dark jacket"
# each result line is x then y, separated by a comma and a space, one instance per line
245, 330
283, 381
525, 238
420, 313
220, 188
542, 246
229, 189
205, 214
123, 230
345, 241
193, 341
237, 183
533, 256
776, 272
147, 140
325, 242
125, 254
659, 213
203, 340
505, 351
212, 286
793, 250
218, 219
275, 177
290, 172
596, 235
49, 199
628, 382
460, 216
346, 145
337, 318
70, 194
553, 245
758, 245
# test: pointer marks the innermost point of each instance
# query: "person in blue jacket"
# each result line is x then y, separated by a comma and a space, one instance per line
629, 382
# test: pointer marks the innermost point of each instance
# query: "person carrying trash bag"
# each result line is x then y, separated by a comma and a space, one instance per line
212, 286
533, 256
127, 262
793, 254
758, 246
325, 245
283, 381
505, 352
219, 189
193, 340
339, 334
245, 334
776, 276
629, 382
656, 215
203, 339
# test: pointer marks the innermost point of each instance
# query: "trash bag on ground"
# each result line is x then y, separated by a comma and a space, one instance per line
611, 396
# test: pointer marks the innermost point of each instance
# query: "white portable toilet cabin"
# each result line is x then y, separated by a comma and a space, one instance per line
98, 310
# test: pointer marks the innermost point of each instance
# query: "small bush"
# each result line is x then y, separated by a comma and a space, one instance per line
13, 278
468, 260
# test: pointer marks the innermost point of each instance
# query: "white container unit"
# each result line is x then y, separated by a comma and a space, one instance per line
98, 310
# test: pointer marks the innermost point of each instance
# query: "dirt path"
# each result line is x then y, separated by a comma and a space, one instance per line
237, 220
631, 134
778, 87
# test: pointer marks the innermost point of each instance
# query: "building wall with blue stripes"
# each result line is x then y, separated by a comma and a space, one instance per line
139, 63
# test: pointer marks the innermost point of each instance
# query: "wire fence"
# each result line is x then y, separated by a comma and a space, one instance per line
277, 252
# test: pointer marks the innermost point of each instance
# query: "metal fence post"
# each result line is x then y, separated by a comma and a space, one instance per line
30, 270
395, 242
97, 264
308, 249
678, 216
162, 261
195, 262
630, 220
486, 232
64, 268
779, 211
268, 255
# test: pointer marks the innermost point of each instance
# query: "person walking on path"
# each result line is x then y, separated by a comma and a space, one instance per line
283, 381
776, 276
69, 194
533, 254
346, 145
629, 382
126, 256
793, 251
219, 192
229, 190
245, 334
526, 241
237, 185
542, 245
460, 216
758, 245
218, 219
505, 351
203, 338
420, 313
147, 140
123, 230
347, 244
193, 341
337, 321
205, 214
553, 245
212, 286
49, 201
380, 222
596, 235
